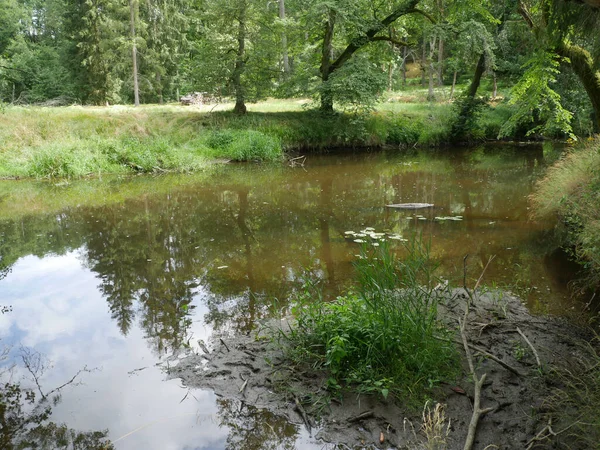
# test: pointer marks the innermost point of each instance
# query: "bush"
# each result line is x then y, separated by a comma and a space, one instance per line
383, 338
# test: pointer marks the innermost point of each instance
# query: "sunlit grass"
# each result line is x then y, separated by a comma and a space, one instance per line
71, 142
571, 190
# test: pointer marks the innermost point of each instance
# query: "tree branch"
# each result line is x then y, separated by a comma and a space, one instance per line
369, 35
424, 14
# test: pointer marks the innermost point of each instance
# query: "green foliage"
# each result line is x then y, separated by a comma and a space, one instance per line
383, 338
538, 105
357, 85
571, 190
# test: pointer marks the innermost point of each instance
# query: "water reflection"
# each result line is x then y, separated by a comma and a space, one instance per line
175, 259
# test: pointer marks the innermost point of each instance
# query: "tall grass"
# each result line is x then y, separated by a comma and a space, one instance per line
571, 190
384, 337
70, 142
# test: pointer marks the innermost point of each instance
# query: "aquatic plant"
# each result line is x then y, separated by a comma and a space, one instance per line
384, 336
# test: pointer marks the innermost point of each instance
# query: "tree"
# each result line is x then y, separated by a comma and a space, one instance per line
569, 30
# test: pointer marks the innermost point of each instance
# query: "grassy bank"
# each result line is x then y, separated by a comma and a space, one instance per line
571, 190
72, 142
382, 338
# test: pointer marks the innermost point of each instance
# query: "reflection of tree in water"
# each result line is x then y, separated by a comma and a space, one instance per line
246, 243
255, 429
25, 414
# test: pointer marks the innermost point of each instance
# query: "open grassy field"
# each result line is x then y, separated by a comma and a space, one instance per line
77, 141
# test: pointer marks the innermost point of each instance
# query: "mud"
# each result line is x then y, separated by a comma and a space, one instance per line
252, 370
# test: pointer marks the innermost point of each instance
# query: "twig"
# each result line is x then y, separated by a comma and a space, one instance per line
360, 417
303, 414
85, 369
535, 353
243, 388
224, 344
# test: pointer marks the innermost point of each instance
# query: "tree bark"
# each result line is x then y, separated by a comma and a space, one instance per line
284, 44
136, 89
583, 66
236, 78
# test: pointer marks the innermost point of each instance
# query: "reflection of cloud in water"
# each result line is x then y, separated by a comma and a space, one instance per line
59, 312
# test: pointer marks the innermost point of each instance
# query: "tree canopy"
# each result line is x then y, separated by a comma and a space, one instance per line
343, 53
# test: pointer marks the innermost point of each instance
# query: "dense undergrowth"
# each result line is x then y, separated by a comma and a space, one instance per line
383, 337
571, 190
72, 142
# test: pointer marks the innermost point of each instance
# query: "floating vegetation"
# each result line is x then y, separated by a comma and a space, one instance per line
374, 237
445, 218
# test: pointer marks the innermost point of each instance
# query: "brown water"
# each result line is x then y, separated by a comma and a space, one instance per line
125, 275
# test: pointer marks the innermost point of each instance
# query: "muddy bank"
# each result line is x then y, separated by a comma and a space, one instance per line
517, 351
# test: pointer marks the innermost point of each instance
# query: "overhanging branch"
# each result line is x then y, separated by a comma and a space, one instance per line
369, 36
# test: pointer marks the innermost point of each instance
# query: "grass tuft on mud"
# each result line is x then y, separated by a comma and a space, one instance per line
383, 338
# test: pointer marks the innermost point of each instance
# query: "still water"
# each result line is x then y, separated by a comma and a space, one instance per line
123, 275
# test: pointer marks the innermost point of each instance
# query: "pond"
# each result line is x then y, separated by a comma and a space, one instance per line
123, 276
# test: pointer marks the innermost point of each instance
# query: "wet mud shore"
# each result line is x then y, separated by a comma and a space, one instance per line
519, 353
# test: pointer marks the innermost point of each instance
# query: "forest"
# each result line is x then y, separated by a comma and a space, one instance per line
540, 57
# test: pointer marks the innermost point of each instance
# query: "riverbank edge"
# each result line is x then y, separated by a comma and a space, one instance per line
571, 191
527, 361
79, 142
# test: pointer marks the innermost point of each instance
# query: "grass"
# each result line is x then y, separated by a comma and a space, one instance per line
571, 190
72, 142
575, 400
384, 337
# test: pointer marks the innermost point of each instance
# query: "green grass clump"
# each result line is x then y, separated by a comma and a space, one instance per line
244, 145
383, 338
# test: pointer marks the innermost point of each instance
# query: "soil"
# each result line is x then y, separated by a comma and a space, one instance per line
252, 369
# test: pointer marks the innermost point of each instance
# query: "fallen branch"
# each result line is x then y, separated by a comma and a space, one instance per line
303, 414
361, 416
535, 353
478, 382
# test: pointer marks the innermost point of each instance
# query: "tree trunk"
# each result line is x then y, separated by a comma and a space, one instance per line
472, 91
404, 58
495, 92
390, 77
159, 90
326, 94
453, 85
423, 62
583, 66
236, 78
431, 70
136, 89
440, 67
284, 44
